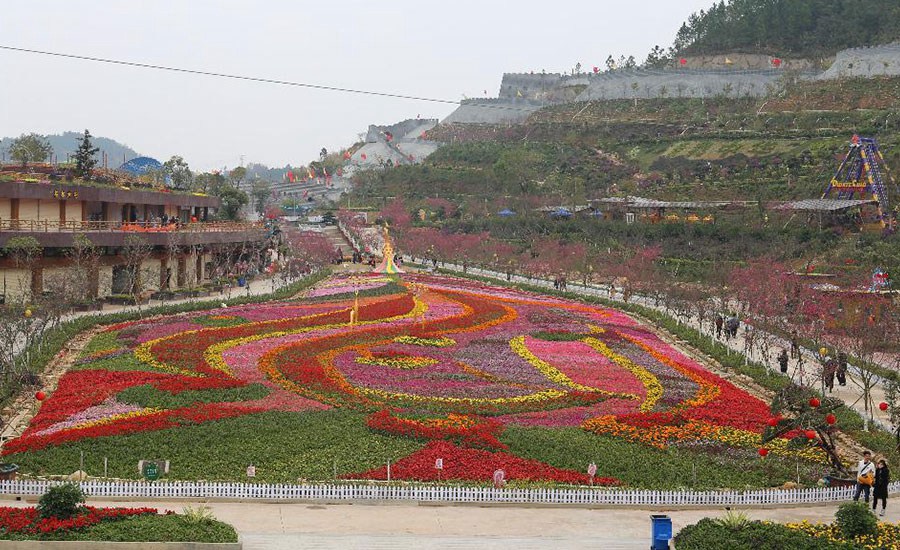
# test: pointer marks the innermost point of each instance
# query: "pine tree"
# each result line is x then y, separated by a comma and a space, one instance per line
84, 157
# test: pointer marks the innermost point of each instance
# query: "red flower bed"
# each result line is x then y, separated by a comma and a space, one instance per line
651, 420
467, 431
196, 414
27, 521
475, 465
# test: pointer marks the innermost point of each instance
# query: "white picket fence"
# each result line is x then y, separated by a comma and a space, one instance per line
437, 493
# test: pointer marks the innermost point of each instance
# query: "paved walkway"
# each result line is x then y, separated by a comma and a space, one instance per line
805, 374
275, 526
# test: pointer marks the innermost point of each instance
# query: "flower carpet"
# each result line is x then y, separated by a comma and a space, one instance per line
446, 368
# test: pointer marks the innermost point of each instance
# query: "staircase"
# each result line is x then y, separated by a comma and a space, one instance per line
337, 240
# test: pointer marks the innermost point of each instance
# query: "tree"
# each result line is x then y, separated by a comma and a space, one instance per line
85, 160
233, 199
179, 173
209, 182
135, 252
30, 148
260, 192
237, 176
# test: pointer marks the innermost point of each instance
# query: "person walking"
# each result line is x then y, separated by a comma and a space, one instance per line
720, 321
842, 368
880, 488
795, 345
828, 371
783, 361
865, 477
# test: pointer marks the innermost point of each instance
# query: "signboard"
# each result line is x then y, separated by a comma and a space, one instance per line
251, 471
592, 469
439, 464
499, 478
153, 469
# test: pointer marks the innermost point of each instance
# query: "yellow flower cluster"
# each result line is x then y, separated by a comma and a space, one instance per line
886, 536
555, 375
441, 342
650, 382
398, 362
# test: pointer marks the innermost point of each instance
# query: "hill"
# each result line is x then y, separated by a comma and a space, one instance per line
66, 143
798, 28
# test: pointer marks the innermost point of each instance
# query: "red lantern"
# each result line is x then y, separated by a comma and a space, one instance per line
776, 62
810, 434
814, 402
347, 155
363, 156
193, 219
40, 396
830, 419
763, 452
773, 421
883, 406
683, 61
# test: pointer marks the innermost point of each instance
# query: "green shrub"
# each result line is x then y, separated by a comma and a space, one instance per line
855, 519
708, 534
61, 501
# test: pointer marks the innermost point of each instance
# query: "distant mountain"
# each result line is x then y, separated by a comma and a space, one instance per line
66, 143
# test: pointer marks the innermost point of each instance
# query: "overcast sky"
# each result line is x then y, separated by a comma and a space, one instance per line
424, 48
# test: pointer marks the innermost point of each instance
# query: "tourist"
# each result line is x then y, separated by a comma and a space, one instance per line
882, 477
795, 346
731, 327
829, 369
865, 477
783, 361
720, 321
842, 368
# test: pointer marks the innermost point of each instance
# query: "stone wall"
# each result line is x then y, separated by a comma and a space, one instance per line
492, 111
641, 83
865, 62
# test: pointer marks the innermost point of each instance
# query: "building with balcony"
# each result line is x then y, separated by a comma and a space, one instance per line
181, 246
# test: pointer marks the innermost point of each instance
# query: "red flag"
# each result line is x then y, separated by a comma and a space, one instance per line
347, 155
596, 70
363, 156
291, 177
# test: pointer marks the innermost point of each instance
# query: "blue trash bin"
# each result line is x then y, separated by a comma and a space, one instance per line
661, 531
242, 281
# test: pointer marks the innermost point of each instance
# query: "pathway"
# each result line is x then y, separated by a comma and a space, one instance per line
275, 526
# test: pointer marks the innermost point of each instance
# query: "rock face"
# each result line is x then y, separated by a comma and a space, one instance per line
400, 143
865, 62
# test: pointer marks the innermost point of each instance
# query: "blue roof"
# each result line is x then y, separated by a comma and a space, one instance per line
141, 165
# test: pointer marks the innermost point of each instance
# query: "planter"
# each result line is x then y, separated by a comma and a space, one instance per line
8, 471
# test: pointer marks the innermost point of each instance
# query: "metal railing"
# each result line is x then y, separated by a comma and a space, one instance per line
84, 226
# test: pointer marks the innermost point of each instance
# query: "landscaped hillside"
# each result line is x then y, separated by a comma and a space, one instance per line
799, 28
759, 152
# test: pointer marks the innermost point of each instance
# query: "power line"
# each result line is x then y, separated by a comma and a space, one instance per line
231, 76
250, 78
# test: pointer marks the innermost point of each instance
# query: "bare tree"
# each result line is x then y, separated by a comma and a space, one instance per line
136, 252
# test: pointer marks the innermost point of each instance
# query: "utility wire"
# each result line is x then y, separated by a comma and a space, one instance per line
248, 78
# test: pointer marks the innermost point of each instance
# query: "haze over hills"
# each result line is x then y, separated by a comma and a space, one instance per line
66, 143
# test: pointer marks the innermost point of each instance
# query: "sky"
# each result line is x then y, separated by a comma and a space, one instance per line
444, 50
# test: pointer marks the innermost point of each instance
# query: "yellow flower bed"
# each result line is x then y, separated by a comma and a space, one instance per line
887, 536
